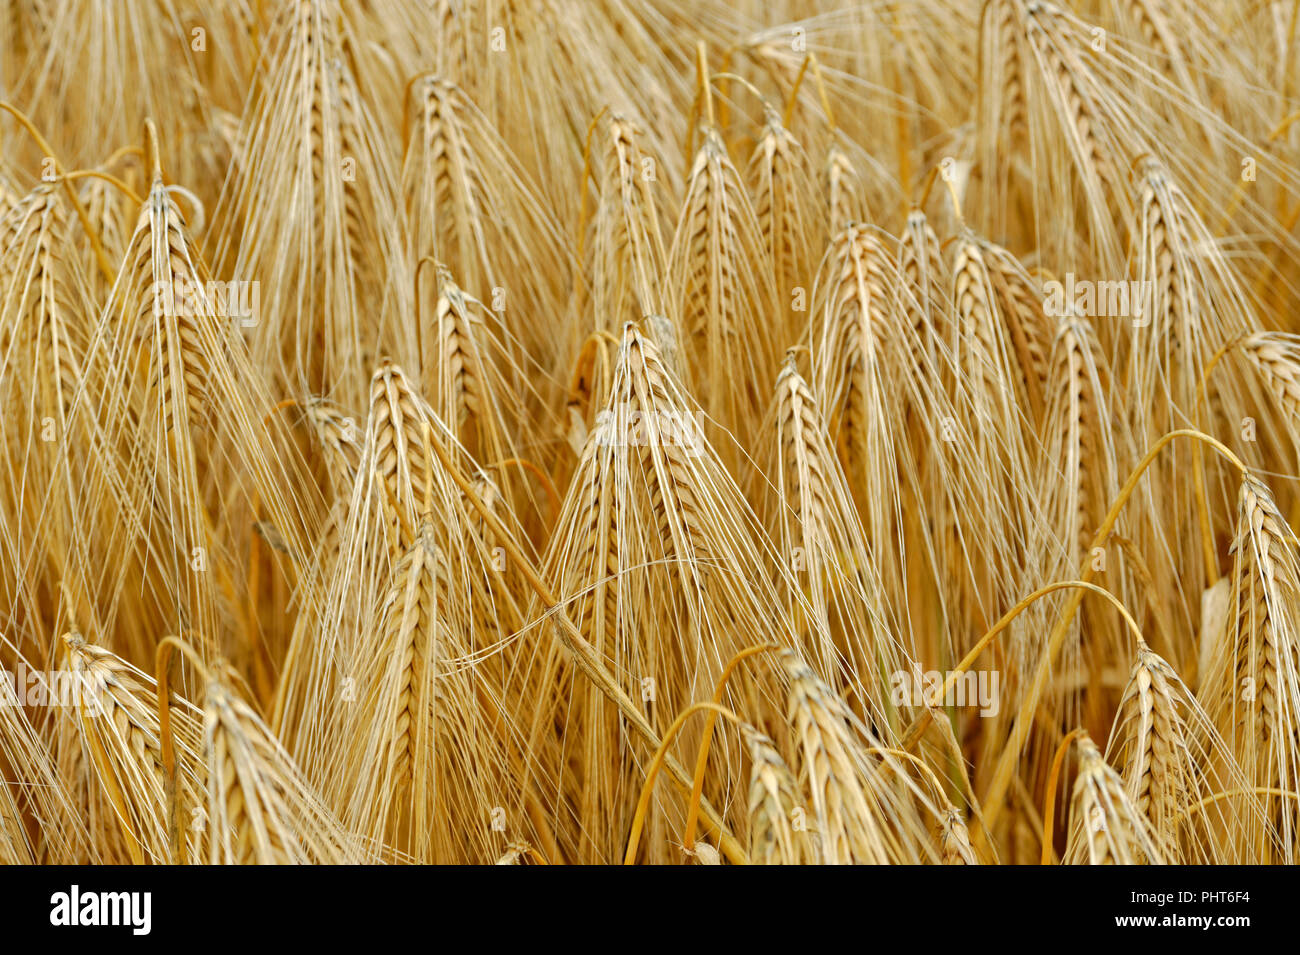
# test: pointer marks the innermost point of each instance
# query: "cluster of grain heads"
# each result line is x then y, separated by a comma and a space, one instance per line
570, 432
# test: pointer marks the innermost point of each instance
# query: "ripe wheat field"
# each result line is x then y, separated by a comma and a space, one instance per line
649, 431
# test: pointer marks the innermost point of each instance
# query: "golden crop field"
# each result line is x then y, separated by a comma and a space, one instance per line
649, 431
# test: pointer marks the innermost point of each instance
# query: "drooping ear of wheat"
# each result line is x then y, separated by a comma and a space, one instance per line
861, 815
1106, 826
475, 381
725, 306
772, 805
857, 297
337, 433
646, 549
957, 849
891, 421
259, 807
629, 257
1078, 478
122, 754
1254, 682
1276, 357
33, 785
467, 203
1174, 765
925, 278
171, 408
845, 204
324, 259
815, 524
404, 687
985, 435
43, 339
786, 205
